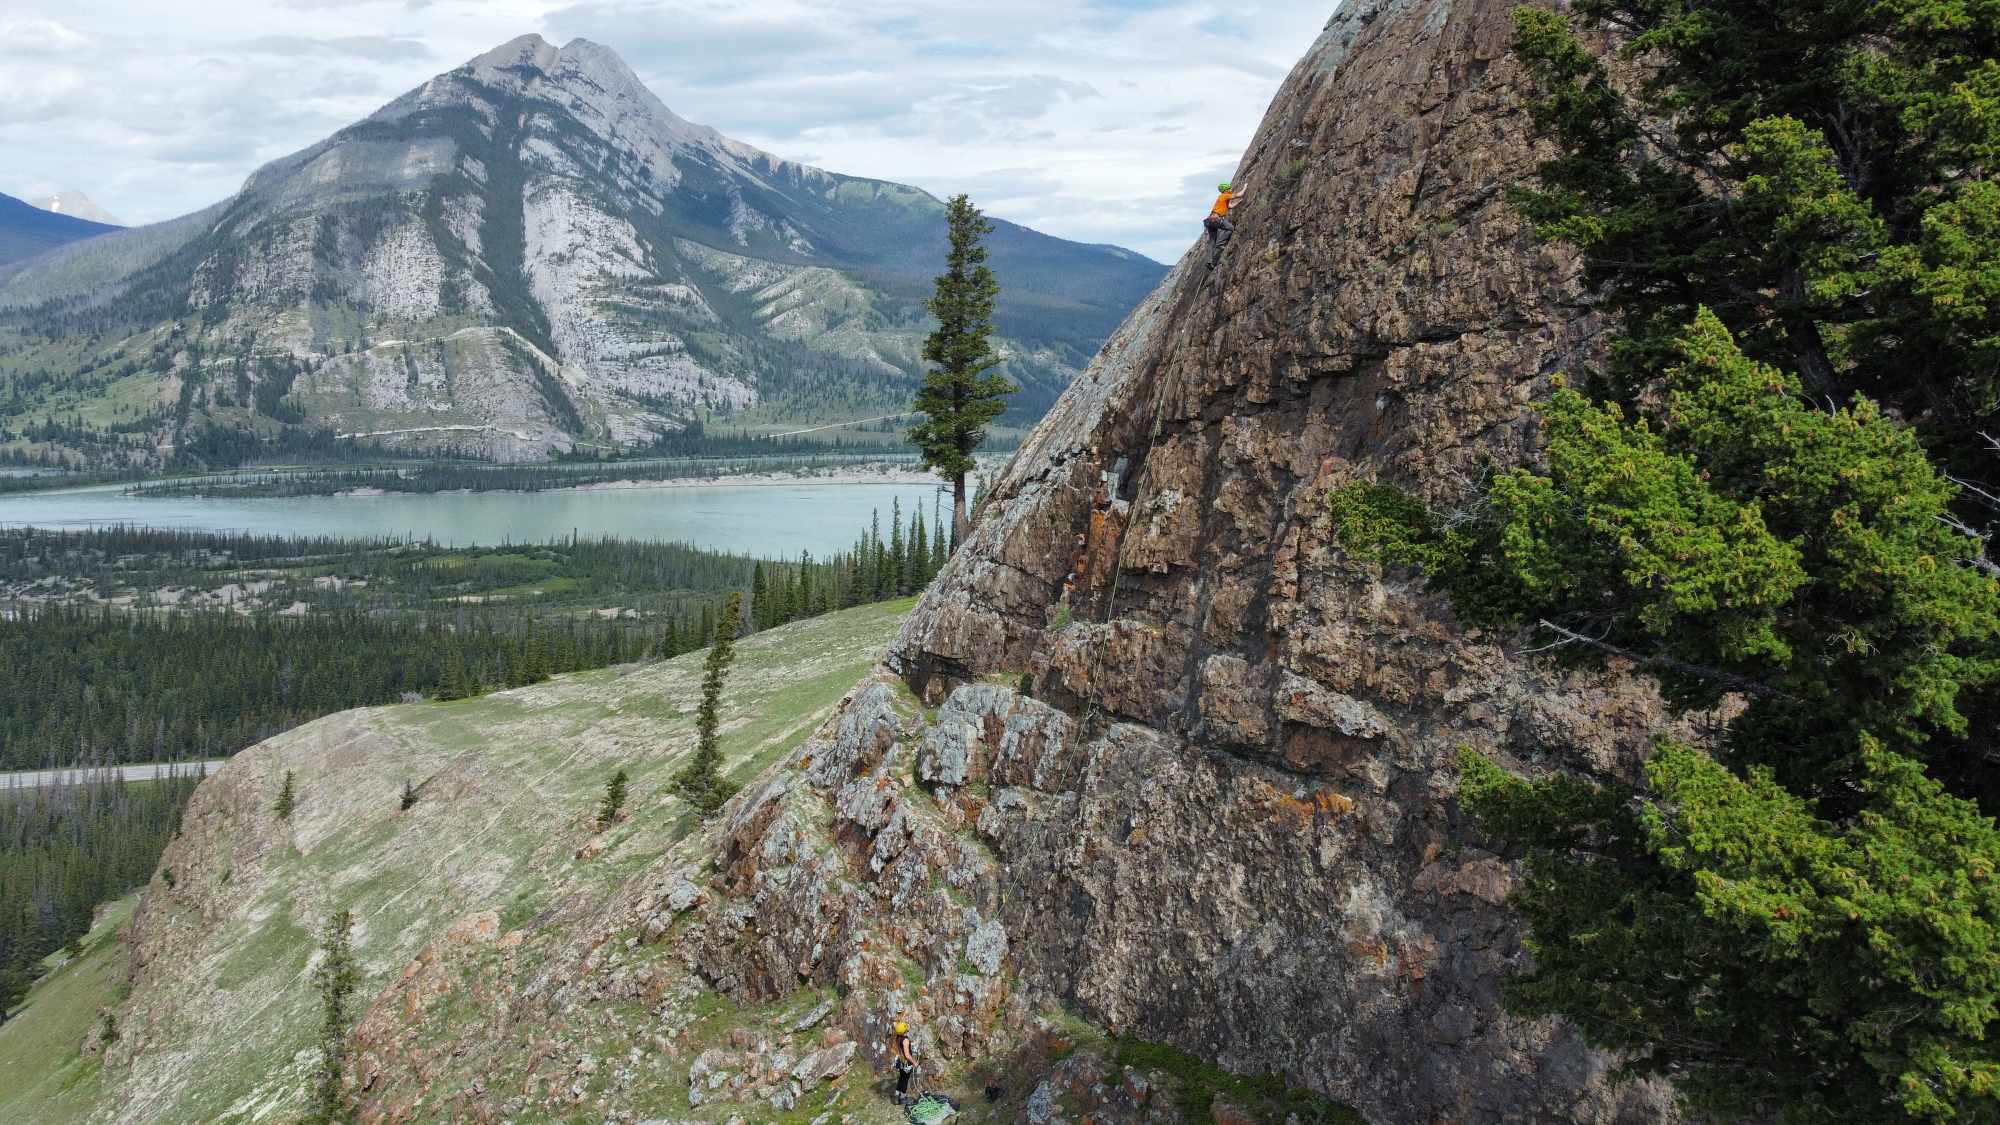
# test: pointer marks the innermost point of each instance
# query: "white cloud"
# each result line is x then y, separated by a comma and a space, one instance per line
1098, 120
38, 37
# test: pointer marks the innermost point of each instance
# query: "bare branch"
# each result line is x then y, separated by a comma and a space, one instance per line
1730, 680
1978, 562
1968, 486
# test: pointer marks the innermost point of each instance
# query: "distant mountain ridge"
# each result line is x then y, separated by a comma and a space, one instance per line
532, 249
27, 230
77, 205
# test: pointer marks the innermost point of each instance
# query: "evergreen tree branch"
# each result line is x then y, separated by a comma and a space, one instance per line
1733, 681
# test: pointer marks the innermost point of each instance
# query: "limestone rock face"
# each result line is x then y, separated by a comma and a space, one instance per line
1226, 817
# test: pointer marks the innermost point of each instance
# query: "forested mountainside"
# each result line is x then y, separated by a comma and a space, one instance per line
529, 254
27, 230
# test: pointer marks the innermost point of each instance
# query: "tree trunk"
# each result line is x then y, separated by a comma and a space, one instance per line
1809, 348
961, 524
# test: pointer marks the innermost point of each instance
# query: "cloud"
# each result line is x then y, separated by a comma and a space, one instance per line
39, 37
381, 48
1097, 120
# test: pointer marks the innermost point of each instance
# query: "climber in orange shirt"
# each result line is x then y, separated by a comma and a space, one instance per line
1217, 224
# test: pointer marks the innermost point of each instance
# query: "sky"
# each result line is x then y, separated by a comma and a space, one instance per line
1095, 120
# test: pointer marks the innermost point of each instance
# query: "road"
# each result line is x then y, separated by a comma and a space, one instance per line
149, 771
838, 425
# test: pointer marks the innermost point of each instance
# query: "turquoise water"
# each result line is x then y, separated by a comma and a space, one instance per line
767, 520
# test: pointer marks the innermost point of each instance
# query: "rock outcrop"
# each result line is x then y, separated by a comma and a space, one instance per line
1191, 770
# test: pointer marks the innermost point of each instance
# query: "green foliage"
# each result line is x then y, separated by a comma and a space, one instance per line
1742, 541
409, 799
1823, 184
1808, 929
701, 782
458, 682
961, 395
334, 979
1725, 925
1800, 923
1195, 1085
287, 801
66, 848
613, 804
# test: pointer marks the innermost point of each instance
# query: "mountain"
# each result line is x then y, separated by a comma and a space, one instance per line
27, 230
78, 206
534, 250
1154, 777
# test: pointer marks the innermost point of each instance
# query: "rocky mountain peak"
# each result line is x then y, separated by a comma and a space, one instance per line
77, 205
588, 75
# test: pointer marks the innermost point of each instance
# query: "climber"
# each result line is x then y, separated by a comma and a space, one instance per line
1217, 224
905, 1061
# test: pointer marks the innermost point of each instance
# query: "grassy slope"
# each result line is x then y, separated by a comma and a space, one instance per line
223, 1018
43, 1076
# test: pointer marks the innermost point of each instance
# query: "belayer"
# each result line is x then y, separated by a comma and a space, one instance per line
905, 1061
1217, 224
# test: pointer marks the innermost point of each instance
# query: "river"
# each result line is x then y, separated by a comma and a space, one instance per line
770, 520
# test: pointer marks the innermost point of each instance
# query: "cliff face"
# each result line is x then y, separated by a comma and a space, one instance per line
1225, 818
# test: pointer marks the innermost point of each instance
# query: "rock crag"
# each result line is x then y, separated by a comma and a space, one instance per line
1190, 771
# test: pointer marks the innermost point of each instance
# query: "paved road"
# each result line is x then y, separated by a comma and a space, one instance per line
35, 779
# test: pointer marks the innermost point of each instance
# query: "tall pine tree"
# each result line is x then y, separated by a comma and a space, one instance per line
760, 600
962, 394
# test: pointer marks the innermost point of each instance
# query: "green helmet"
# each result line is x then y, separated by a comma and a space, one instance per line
1222, 187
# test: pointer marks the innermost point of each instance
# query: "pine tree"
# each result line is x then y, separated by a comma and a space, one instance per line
808, 606
537, 656
670, 640
334, 979
702, 783
409, 796
962, 395
939, 549
287, 799
894, 583
979, 494
760, 601
920, 553
871, 566
614, 801
457, 681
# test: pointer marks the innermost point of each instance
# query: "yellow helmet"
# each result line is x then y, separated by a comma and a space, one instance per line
902, 1028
